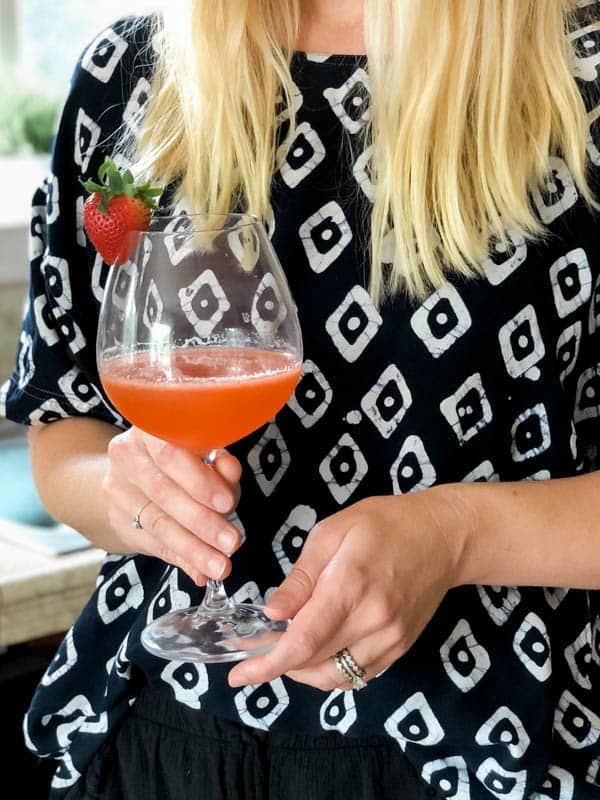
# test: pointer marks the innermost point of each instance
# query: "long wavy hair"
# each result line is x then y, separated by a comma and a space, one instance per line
468, 100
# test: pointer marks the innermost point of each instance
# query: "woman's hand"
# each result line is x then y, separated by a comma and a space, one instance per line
369, 579
185, 503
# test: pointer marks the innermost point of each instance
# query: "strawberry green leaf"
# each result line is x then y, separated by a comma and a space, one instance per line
116, 182
91, 186
107, 166
113, 183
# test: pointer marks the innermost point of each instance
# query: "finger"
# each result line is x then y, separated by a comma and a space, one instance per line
323, 626
201, 482
310, 632
202, 521
151, 483
231, 470
163, 537
228, 467
142, 544
367, 653
296, 590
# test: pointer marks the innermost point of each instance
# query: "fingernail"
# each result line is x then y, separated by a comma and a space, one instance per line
216, 568
226, 541
273, 612
221, 503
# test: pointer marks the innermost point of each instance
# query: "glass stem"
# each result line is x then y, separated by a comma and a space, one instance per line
215, 596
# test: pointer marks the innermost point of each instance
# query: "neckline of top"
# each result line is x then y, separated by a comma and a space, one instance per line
329, 59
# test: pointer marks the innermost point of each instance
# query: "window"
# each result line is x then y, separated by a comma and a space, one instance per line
52, 33
40, 42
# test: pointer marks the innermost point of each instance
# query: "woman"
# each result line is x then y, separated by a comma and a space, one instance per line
434, 213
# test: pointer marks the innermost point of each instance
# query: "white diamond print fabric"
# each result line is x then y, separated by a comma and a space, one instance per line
269, 459
204, 303
441, 320
260, 706
388, 401
103, 55
303, 157
312, 396
343, 469
354, 323
350, 101
415, 722
464, 659
325, 235
468, 410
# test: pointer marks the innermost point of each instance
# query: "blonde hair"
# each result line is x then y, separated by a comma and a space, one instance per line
468, 101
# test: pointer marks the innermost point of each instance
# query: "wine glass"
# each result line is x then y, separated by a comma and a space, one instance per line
199, 344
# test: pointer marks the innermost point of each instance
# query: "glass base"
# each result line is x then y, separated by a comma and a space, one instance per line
232, 633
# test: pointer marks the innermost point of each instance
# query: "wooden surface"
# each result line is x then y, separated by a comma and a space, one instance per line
42, 595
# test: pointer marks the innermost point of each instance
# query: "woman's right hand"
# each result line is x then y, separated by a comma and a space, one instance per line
185, 520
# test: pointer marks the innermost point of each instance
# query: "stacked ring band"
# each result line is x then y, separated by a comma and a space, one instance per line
350, 670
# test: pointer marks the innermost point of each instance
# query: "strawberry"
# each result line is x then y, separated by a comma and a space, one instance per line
117, 207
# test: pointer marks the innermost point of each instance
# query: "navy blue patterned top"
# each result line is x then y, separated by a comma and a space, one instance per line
493, 379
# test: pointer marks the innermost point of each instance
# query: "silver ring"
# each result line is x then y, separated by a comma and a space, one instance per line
350, 671
137, 524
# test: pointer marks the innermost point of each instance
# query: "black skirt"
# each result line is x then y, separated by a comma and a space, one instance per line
166, 751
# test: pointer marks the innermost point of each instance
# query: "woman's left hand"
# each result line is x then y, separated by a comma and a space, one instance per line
369, 579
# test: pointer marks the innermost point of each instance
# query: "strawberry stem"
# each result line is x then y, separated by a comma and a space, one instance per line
114, 184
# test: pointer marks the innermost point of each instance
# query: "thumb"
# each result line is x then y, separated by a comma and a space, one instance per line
297, 589
228, 467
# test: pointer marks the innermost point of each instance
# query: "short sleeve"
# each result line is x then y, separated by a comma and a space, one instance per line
55, 375
579, 343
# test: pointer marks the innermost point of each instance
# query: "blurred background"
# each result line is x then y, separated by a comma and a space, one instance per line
40, 42
47, 572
